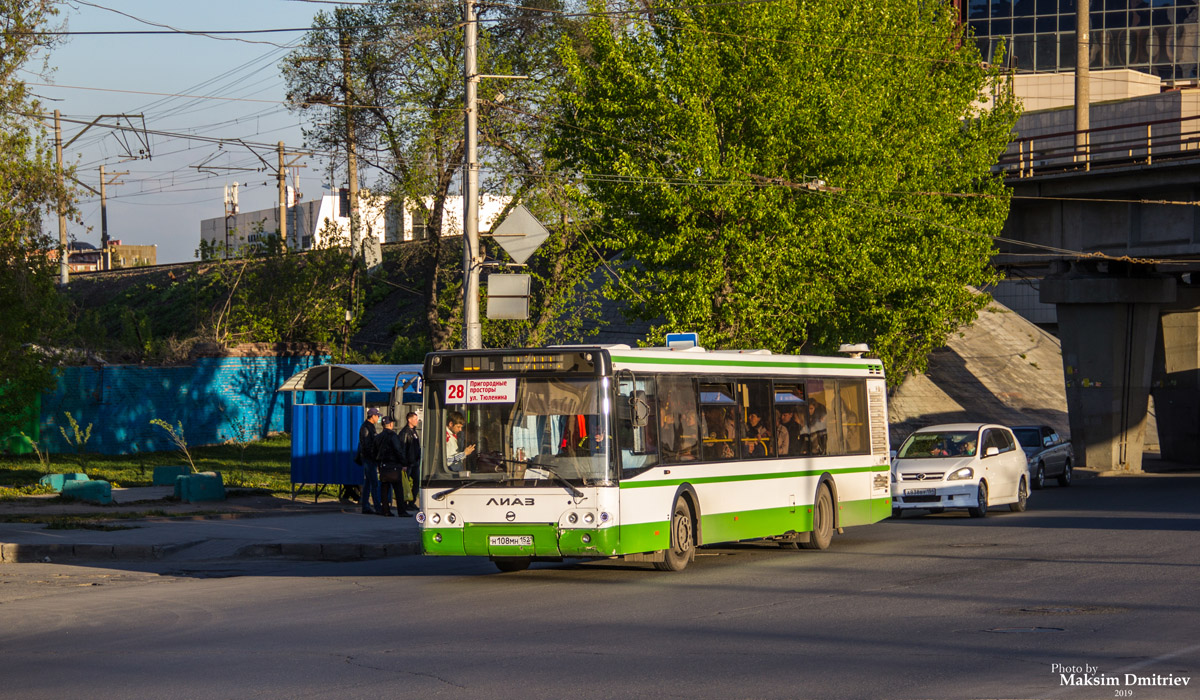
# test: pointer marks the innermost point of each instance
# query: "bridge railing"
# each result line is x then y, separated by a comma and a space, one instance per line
1105, 146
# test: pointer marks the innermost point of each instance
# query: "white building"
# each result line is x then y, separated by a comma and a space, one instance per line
323, 221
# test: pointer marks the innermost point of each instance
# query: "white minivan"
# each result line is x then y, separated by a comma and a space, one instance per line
961, 465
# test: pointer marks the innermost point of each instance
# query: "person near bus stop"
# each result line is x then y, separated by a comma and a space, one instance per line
365, 456
387, 451
410, 456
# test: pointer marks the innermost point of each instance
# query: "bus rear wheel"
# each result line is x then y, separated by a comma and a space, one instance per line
509, 564
822, 526
683, 545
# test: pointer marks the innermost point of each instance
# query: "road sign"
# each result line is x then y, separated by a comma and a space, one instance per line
520, 233
682, 341
508, 296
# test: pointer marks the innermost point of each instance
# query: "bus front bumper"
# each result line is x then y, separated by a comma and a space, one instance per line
520, 540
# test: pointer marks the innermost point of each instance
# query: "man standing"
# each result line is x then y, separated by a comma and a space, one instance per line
410, 457
391, 466
366, 458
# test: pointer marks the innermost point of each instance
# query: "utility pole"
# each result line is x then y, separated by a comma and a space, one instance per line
472, 331
63, 275
1083, 89
231, 212
105, 254
281, 176
351, 150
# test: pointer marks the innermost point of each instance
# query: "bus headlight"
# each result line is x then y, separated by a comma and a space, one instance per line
604, 517
958, 474
572, 518
435, 518
586, 538
589, 518
421, 516
450, 518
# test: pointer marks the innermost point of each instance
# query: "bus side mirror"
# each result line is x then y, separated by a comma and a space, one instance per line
639, 411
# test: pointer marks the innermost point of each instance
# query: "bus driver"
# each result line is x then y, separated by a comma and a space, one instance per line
454, 454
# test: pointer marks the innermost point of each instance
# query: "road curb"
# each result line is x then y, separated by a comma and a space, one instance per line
14, 553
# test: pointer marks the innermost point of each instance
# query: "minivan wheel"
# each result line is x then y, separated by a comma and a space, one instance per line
1022, 498
981, 509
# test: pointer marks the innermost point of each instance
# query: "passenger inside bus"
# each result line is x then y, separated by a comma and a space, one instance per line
718, 433
756, 441
815, 422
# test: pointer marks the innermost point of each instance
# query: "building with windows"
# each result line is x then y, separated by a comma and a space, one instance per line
1157, 37
85, 257
326, 221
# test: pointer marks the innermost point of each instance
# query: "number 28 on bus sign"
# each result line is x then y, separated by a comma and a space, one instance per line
481, 390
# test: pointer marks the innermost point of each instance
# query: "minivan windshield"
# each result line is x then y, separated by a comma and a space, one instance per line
520, 430
939, 444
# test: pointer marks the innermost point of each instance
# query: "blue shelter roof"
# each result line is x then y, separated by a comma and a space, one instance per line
375, 378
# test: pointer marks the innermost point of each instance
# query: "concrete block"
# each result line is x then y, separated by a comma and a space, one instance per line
56, 481
165, 476
206, 486
301, 550
134, 552
260, 551
91, 491
340, 552
374, 551
93, 551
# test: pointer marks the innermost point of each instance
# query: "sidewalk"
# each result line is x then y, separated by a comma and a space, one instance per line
252, 527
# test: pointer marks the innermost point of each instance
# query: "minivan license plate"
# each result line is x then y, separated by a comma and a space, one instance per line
511, 540
918, 492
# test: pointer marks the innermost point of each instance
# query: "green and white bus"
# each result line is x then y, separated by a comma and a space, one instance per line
646, 453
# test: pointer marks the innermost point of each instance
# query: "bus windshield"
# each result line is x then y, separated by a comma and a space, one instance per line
528, 431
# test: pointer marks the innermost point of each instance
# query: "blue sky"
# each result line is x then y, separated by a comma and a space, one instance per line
164, 198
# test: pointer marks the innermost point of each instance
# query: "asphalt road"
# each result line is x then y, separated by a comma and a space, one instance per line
1102, 576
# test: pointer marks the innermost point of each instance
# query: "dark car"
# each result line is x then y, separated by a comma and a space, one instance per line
1049, 455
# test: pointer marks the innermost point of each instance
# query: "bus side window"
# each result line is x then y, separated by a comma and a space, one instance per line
678, 420
852, 411
637, 423
757, 425
718, 427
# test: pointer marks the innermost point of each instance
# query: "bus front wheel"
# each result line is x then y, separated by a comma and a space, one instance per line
683, 544
822, 526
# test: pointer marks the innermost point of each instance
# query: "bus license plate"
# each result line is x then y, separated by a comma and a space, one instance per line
511, 540
918, 492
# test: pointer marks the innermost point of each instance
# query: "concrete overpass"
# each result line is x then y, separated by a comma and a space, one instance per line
1110, 237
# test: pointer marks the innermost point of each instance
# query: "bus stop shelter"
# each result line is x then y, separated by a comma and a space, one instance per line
329, 403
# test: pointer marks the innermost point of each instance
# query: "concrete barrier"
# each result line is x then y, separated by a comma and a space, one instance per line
56, 481
165, 476
91, 491
205, 486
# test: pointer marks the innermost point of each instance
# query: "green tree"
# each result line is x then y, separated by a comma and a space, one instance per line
404, 81
697, 126
33, 311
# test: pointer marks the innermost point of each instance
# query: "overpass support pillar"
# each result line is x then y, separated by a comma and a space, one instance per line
1108, 323
1176, 379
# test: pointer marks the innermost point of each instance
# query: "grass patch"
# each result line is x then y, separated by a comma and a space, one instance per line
9, 493
265, 464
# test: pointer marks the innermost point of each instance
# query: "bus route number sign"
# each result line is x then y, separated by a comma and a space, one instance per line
481, 390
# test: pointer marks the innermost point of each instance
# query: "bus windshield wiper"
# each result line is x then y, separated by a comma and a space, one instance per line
558, 478
442, 494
